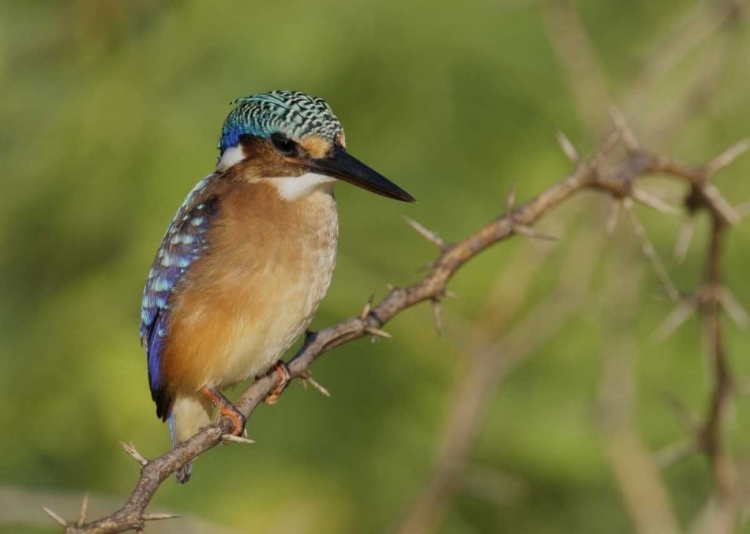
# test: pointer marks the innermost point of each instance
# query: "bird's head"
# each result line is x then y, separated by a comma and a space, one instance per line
295, 138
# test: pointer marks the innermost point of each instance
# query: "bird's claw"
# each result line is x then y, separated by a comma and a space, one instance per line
282, 371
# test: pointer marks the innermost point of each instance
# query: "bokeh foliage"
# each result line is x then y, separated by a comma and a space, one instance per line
110, 113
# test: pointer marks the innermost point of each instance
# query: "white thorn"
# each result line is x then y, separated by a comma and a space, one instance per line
308, 379
613, 217
130, 449
733, 308
510, 202
367, 308
683, 241
430, 236
654, 202
236, 439
57, 519
377, 332
528, 231
437, 316
567, 147
621, 124
84, 509
727, 157
158, 517
675, 453
675, 319
650, 252
720, 205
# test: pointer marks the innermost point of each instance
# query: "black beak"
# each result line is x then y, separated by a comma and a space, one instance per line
340, 164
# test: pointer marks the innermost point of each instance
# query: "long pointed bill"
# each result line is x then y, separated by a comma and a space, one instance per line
340, 164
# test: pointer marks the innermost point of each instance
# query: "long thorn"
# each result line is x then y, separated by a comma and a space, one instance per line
721, 206
236, 439
510, 202
567, 147
84, 509
676, 453
528, 231
733, 308
377, 332
367, 308
743, 209
650, 252
621, 124
654, 202
690, 420
682, 244
437, 316
429, 235
158, 517
676, 318
308, 379
130, 449
613, 216
727, 157
56, 518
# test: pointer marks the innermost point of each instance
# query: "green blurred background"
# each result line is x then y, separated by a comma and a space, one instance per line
110, 112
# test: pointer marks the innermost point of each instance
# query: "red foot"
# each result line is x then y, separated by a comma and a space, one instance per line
226, 409
282, 371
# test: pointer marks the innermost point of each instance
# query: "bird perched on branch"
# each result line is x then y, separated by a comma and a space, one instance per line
247, 258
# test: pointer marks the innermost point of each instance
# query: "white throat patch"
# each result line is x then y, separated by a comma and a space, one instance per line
230, 157
295, 187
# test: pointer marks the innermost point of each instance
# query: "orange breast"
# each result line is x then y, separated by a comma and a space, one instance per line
242, 305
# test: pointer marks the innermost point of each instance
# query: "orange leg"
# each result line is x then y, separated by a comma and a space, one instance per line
282, 371
226, 409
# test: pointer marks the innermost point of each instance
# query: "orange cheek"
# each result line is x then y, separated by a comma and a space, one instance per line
317, 147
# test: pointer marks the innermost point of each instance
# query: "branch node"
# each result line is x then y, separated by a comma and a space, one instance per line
131, 450
55, 517
429, 235
567, 147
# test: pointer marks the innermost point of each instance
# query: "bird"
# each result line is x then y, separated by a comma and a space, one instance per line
247, 258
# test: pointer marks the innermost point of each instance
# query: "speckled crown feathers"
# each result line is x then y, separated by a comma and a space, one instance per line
292, 113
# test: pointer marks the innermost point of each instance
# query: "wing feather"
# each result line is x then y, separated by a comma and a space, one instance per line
183, 243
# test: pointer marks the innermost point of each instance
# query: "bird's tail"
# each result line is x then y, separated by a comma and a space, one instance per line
189, 414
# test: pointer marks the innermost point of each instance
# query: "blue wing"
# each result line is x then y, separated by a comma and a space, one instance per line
183, 243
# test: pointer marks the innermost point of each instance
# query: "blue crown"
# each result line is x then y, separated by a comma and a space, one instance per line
294, 114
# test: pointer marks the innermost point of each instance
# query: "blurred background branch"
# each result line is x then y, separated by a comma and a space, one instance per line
110, 114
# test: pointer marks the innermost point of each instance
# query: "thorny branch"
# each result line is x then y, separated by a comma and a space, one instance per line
587, 175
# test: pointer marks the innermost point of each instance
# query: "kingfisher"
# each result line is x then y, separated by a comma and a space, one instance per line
247, 258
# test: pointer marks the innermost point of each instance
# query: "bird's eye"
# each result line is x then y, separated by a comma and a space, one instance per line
283, 144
